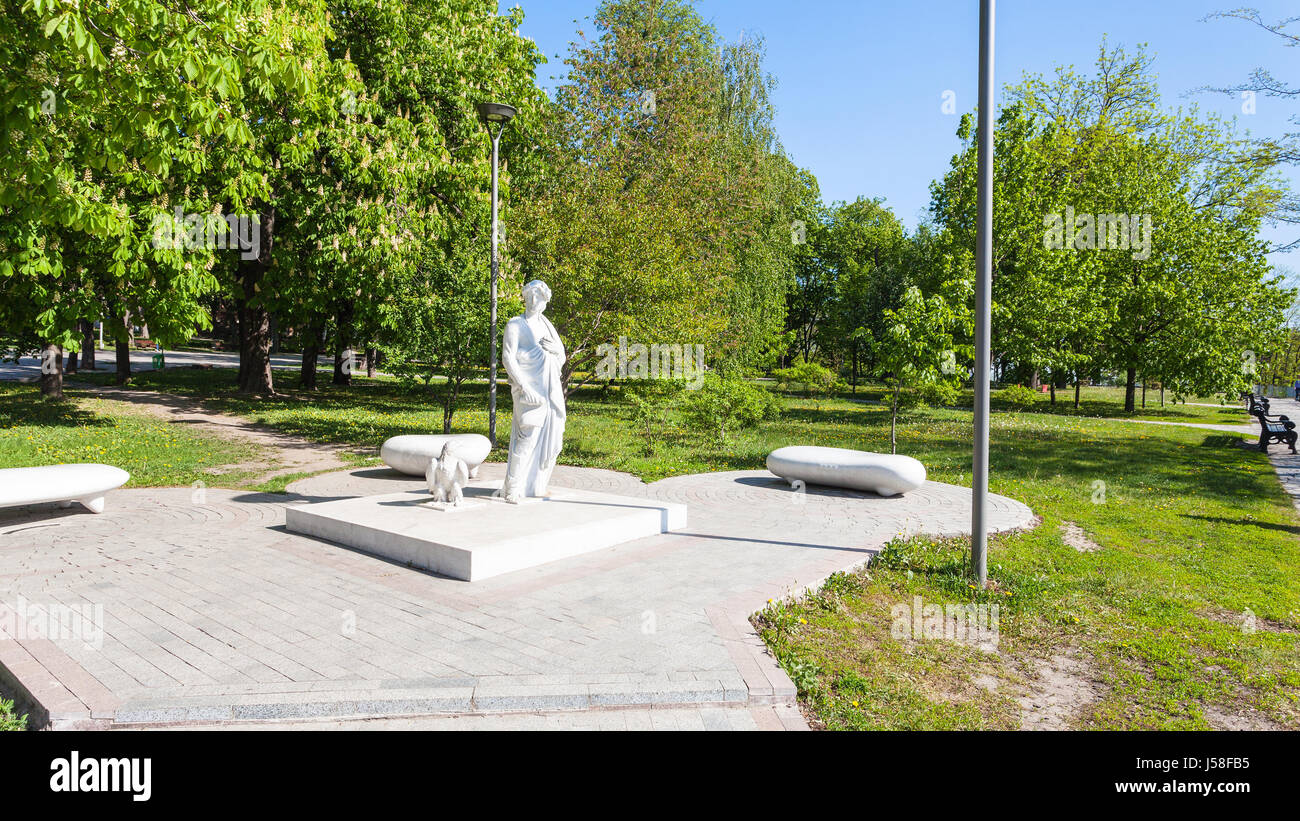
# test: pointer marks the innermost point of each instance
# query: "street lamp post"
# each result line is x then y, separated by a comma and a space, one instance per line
983, 300
499, 114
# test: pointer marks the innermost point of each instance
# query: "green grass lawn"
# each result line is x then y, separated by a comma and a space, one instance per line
85, 429
1193, 530
1104, 403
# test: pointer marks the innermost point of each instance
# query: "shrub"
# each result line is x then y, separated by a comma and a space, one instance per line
724, 405
8, 719
1017, 396
932, 394
651, 399
813, 377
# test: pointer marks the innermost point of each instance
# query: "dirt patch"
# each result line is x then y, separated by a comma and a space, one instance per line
1248, 621
1078, 538
1248, 719
290, 454
1062, 688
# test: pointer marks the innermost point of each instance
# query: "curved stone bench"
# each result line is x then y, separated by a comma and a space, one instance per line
65, 484
411, 454
883, 473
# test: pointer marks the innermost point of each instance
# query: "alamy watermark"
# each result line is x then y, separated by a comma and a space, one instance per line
1099, 232
181, 231
26, 621
655, 361
974, 624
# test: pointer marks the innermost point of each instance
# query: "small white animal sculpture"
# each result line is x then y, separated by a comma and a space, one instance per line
446, 476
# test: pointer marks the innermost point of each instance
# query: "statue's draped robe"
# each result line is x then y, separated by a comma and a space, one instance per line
537, 431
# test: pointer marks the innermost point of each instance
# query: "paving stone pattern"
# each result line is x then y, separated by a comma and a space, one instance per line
213, 613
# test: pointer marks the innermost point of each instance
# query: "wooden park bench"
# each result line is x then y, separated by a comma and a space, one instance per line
1274, 429
1255, 401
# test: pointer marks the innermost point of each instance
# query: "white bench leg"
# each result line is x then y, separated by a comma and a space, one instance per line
94, 504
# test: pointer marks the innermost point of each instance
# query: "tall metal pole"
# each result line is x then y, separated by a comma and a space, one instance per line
983, 300
492, 383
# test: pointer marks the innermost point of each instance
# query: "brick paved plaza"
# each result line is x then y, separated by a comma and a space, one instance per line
212, 613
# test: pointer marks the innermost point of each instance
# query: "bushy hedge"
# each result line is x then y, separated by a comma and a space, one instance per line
723, 405
1017, 396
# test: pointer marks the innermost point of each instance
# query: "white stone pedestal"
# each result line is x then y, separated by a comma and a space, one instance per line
487, 536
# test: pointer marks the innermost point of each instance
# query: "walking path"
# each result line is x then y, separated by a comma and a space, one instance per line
1286, 463
292, 454
202, 609
29, 367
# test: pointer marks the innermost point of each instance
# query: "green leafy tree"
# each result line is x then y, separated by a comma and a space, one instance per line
396, 194
652, 402
1181, 293
917, 347
110, 112
663, 208
866, 247
434, 326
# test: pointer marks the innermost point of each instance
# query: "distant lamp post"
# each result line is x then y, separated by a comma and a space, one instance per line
983, 298
498, 114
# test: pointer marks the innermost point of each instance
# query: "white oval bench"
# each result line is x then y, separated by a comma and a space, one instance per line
884, 473
411, 454
84, 483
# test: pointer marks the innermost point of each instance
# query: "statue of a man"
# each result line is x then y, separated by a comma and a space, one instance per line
533, 355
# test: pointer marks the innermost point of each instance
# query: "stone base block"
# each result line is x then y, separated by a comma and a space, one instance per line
488, 536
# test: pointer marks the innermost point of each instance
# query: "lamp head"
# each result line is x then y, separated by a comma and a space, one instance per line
496, 112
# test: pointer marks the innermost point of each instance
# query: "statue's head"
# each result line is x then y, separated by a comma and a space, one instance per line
536, 295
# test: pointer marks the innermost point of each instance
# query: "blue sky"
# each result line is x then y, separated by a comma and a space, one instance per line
861, 82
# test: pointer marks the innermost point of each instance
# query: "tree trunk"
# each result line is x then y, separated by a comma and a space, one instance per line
254, 319
1053, 388
87, 345
1076, 391
855, 367
52, 371
343, 364
122, 351
1130, 391
1144, 393
310, 352
372, 355
893, 423
255, 350
72, 363
449, 403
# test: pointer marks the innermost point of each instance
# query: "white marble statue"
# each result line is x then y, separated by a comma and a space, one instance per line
533, 355
446, 476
